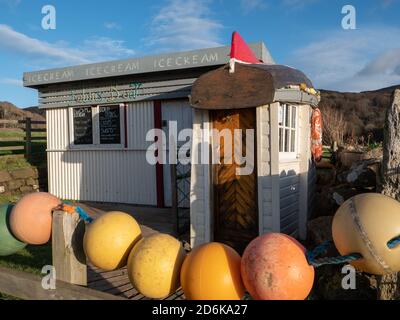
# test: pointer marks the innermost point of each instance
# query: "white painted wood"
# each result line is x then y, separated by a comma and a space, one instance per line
275, 173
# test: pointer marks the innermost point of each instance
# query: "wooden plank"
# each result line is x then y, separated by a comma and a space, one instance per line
29, 287
33, 121
68, 256
36, 130
11, 139
12, 148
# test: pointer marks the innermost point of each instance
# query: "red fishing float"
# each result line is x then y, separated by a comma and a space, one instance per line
274, 267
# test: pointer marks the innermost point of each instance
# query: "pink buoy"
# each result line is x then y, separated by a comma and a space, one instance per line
31, 218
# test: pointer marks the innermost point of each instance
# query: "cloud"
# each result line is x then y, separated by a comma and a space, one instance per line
10, 3
11, 82
112, 26
252, 5
183, 25
91, 50
355, 60
298, 3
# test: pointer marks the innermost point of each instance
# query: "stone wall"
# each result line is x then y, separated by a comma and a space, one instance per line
19, 181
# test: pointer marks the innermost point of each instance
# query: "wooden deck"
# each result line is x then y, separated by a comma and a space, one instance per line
152, 220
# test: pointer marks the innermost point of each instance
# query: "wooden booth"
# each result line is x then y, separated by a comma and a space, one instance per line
231, 205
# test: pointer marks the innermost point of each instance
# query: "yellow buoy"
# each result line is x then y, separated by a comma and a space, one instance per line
154, 266
366, 224
110, 238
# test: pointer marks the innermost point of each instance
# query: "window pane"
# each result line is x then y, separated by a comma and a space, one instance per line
287, 140
281, 114
110, 125
83, 125
287, 116
293, 141
281, 140
294, 117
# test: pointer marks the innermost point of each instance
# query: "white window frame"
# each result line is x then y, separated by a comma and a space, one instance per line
291, 155
96, 128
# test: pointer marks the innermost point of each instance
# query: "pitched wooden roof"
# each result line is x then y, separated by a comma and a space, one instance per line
249, 86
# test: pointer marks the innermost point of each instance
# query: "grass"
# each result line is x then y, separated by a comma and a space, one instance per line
18, 133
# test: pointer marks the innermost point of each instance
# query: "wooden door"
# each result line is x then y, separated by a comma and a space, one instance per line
235, 196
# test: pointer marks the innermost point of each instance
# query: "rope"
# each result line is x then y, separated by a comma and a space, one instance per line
312, 255
394, 243
313, 261
70, 208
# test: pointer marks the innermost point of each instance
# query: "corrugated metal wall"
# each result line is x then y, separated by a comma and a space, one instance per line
102, 175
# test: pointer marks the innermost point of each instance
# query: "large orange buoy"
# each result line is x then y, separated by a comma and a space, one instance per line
366, 224
154, 265
109, 240
31, 218
212, 272
274, 267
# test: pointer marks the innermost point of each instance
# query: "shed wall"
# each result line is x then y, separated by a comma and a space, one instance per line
109, 175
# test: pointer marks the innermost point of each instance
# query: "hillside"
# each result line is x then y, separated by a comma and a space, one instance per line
363, 113
8, 111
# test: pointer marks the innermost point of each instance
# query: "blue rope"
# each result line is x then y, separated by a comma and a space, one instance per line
394, 243
312, 255
84, 216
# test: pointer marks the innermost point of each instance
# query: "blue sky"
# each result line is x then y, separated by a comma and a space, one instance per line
305, 34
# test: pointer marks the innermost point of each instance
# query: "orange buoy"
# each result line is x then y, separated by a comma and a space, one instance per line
274, 267
212, 272
31, 218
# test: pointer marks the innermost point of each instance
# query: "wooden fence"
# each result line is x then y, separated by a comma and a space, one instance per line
29, 126
69, 263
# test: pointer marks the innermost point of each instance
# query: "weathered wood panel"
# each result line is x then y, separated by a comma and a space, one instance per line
29, 287
236, 201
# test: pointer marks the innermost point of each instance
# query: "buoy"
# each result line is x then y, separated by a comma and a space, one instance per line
110, 238
274, 267
366, 224
31, 218
154, 265
212, 272
8, 243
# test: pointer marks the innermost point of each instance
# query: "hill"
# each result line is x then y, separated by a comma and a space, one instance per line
8, 111
362, 114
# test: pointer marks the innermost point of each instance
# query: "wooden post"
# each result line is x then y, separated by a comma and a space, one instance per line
69, 259
28, 137
389, 285
174, 200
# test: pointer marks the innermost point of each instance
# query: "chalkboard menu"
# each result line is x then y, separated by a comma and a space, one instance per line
83, 126
110, 125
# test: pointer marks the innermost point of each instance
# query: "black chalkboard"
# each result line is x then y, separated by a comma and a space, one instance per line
83, 126
110, 125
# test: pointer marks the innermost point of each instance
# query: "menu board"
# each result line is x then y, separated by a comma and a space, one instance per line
110, 125
83, 126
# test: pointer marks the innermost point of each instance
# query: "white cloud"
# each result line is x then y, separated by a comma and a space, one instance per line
112, 26
11, 3
252, 5
356, 60
91, 50
11, 82
298, 3
184, 25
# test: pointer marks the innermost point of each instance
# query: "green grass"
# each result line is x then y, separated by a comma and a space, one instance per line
16, 133
13, 163
31, 259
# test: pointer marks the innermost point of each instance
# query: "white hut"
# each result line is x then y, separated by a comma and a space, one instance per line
98, 116
276, 196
